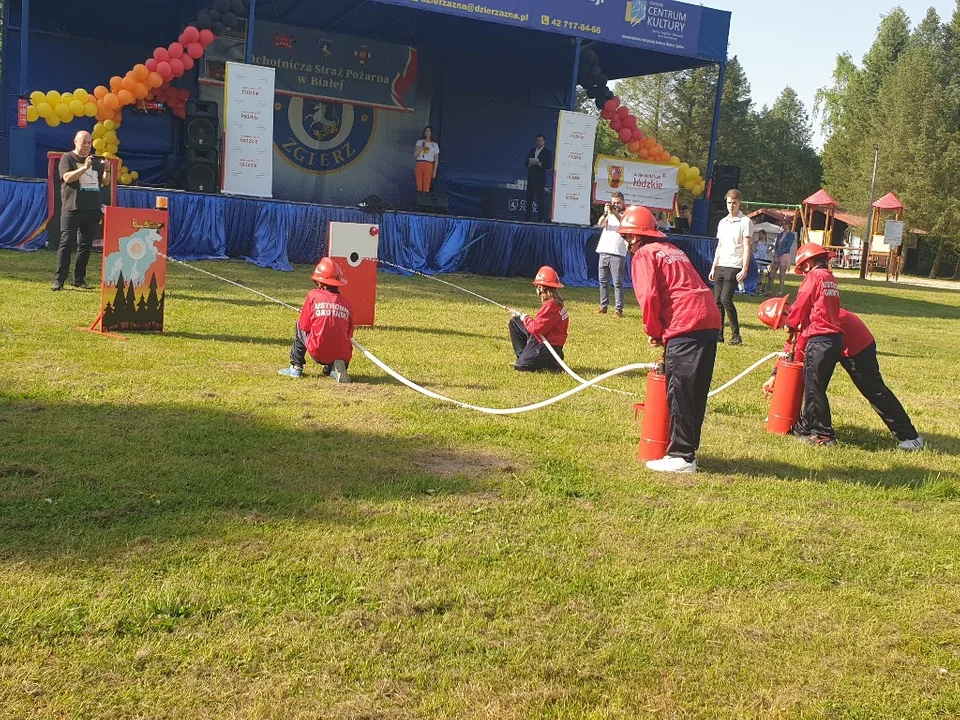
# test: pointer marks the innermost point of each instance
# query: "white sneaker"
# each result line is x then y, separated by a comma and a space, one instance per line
915, 444
339, 372
672, 465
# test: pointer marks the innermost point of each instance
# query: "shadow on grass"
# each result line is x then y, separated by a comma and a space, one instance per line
243, 339
91, 478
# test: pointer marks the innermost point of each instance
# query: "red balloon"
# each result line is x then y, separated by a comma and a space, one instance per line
151, 65
206, 37
636, 134
161, 55
176, 67
606, 114
610, 105
164, 69
623, 111
625, 135
175, 50
615, 125
630, 121
187, 62
191, 34
195, 50
616, 101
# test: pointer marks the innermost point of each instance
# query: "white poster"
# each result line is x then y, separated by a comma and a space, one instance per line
893, 233
248, 130
650, 184
571, 168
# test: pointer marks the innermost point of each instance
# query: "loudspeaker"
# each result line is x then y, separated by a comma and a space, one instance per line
203, 124
725, 177
718, 211
434, 201
201, 170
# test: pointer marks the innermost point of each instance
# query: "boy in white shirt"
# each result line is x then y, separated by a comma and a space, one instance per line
731, 262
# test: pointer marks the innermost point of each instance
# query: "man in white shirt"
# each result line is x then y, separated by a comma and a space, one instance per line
731, 261
613, 252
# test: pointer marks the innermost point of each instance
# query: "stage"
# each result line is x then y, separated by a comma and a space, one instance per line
276, 234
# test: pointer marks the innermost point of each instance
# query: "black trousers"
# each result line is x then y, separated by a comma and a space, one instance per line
536, 190
688, 364
532, 355
298, 351
819, 361
724, 285
864, 370
77, 230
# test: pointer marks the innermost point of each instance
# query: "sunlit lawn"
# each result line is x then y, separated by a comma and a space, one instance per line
186, 534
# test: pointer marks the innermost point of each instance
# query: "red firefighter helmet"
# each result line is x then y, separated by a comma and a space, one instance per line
808, 252
637, 220
547, 277
328, 273
773, 312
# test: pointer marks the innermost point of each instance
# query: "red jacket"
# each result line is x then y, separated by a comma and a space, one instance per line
674, 298
817, 309
550, 324
328, 317
856, 337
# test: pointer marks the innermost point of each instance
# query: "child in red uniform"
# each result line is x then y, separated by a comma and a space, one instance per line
679, 313
859, 359
550, 324
816, 317
325, 326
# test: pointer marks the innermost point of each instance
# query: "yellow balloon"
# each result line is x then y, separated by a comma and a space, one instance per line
125, 178
108, 154
32, 114
124, 169
109, 124
693, 172
684, 167
81, 95
53, 98
110, 135
37, 97
52, 120
76, 107
90, 109
135, 175
63, 112
681, 176
98, 130
99, 144
44, 109
674, 160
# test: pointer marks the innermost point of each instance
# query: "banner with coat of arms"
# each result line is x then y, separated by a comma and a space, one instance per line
339, 68
650, 184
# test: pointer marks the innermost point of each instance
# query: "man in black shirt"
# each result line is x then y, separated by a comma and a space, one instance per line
539, 160
81, 177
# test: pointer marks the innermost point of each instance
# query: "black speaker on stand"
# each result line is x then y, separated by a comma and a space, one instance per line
201, 166
725, 177
432, 202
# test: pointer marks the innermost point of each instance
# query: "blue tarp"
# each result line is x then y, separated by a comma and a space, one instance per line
275, 234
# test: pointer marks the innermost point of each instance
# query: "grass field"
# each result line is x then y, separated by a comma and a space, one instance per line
186, 534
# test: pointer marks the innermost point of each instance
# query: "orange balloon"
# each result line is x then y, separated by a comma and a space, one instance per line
116, 82
657, 150
99, 92
650, 141
125, 97
644, 153
154, 80
633, 146
110, 100
140, 72
129, 82
140, 91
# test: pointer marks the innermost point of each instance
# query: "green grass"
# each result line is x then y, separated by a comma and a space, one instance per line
186, 534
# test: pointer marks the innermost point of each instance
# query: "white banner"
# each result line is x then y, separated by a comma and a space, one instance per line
650, 184
248, 130
893, 233
571, 168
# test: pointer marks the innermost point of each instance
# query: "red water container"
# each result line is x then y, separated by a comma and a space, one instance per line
787, 397
655, 429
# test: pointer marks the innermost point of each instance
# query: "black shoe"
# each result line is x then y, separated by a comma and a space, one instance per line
736, 340
57, 286
720, 338
81, 285
820, 440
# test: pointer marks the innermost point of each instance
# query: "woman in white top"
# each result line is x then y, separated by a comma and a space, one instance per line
613, 254
731, 262
427, 153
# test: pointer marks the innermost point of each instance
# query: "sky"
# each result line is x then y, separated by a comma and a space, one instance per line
783, 42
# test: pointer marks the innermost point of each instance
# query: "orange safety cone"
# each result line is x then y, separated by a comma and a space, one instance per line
787, 397
655, 429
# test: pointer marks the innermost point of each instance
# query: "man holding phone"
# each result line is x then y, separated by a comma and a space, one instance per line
612, 249
81, 177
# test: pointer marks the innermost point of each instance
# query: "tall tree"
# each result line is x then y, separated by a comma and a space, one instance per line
786, 168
